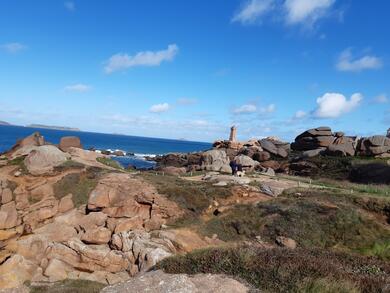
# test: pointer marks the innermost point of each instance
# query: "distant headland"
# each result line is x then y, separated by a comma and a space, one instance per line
4, 123
53, 127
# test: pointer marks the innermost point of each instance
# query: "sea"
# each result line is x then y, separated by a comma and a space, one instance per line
137, 145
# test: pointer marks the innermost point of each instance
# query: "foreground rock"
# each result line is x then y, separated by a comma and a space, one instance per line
160, 282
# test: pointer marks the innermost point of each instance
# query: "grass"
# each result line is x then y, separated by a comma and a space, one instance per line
283, 270
19, 161
315, 218
193, 197
69, 165
323, 285
109, 162
78, 184
68, 286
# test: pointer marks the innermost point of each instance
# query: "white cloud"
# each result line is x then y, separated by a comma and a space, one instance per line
333, 105
13, 47
291, 12
347, 62
381, 99
79, 87
252, 10
160, 108
245, 109
186, 101
300, 114
268, 109
69, 5
306, 11
145, 58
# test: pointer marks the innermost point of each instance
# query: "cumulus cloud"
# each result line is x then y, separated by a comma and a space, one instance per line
268, 109
291, 12
13, 47
79, 87
252, 10
333, 105
381, 99
159, 108
347, 62
186, 101
145, 58
300, 114
306, 11
245, 109
69, 5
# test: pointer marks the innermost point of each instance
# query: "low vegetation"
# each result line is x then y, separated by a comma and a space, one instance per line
109, 162
68, 286
194, 197
283, 270
313, 218
69, 165
78, 184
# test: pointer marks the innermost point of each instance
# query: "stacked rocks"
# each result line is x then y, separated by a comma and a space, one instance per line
377, 145
312, 139
321, 140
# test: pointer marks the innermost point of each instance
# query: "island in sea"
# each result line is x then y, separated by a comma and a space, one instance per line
4, 123
53, 127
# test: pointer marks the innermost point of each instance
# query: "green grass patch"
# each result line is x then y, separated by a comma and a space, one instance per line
69, 165
193, 196
313, 219
68, 286
109, 162
283, 270
19, 161
78, 184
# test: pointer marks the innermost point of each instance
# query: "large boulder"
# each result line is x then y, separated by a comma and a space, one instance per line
343, 146
43, 160
377, 145
246, 162
216, 160
67, 142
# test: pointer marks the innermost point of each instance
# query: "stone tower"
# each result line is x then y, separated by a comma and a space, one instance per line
233, 134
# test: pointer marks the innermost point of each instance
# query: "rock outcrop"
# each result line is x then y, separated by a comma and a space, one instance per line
43, 159
377, 145
321, 141
160, 282
216, 160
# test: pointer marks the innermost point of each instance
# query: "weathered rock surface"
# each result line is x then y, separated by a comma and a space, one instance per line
170, 170
44, 159
160, 282
122, 196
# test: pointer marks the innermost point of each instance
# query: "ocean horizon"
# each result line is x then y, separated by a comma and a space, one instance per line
139, 146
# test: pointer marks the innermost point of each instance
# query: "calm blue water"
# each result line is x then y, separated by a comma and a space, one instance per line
133, 144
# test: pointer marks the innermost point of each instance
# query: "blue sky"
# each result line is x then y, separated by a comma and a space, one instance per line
191, 69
